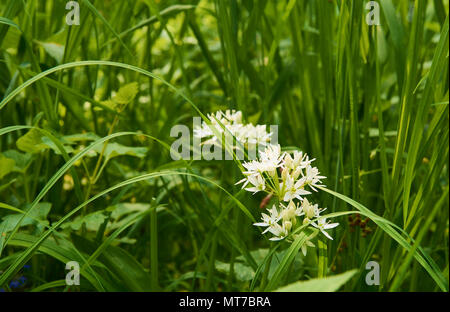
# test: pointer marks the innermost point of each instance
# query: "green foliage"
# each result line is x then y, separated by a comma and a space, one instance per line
38, 216
85, 119
6, 165
330, 284
124, 96
31, 142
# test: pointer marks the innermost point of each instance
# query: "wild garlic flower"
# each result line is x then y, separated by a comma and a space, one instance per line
312, 177
311, 211
293, 189
296, 174
269, 220
248, 135
257, 182
288, 177
279, 231
305, 246
322, 225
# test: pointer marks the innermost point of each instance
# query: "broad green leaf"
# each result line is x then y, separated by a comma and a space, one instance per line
93, 222
328, 284
126, 93
40, 213
31, 142
110, 103
50, 144
6, 165
115, 149
55, 50
124, 96
122, 209
242, 272
21, 160
34, 142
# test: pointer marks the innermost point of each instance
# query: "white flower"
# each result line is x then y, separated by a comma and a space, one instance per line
262, 174
312, 177
231, 120
253, 167
220, 117
298, 158
288, 213
203, 131
322, 225
278, 231
256, 135
288, 162
302, 160
310, 210
233, 116
299, 210
293, 189
297, 172
271, 220
271, 153
269, 161
258, 183
305, 246
299, 161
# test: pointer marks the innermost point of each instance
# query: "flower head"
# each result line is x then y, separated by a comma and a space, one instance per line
312, 177
231, 122
258, 183
293, 189
287, 177
311, 211
269, 220
322, 225
279, 232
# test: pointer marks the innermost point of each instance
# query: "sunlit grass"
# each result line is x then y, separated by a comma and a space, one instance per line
370, 103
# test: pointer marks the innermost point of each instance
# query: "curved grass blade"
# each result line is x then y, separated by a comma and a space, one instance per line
108, 25
427, 263
8, 274
288, 258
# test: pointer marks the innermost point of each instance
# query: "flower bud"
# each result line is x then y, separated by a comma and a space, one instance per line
287, 225
308, 209
298, 156
297, 173
294, 221
291, 206
285, 215
238, 117
288, 162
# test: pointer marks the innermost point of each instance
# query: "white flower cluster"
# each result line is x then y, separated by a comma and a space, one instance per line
248, 135
288, 177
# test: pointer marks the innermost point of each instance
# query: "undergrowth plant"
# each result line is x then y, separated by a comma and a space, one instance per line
87, 172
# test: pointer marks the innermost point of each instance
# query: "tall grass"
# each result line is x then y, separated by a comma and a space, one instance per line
370, 103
